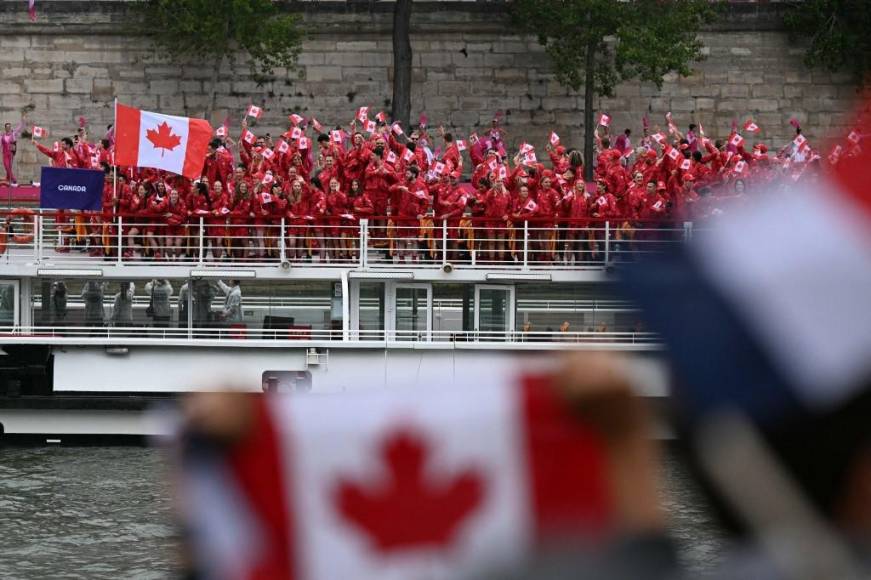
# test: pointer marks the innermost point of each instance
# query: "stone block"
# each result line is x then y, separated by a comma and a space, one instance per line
164, 87
357, 45
44, 86
323, 73
435, 59
471, 59
771, 91
554, 103
81, 85
730, 91
9, 88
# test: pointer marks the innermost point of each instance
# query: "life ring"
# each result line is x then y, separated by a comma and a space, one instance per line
27, 235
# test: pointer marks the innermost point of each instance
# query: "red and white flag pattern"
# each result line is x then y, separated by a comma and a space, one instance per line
254, 111
175, 144
38, 132
751, 127
395, 484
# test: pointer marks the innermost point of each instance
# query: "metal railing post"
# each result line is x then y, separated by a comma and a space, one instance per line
687, 231
364, 243
120, 240
200, 236
36, 228
38, 239
607, 240
282, 251
444, 242
525, 244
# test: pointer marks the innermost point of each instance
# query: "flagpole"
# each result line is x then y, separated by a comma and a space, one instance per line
114, 165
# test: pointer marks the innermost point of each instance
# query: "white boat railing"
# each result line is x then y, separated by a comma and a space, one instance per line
79, 238
234, 335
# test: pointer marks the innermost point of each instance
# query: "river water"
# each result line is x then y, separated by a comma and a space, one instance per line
106, 512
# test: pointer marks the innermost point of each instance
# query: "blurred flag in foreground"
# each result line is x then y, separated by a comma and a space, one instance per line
768, 311
401, 483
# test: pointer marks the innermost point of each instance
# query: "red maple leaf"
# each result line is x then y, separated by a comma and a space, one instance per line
405, 509
163, 138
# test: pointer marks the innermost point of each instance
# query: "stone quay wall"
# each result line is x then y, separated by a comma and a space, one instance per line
468, 63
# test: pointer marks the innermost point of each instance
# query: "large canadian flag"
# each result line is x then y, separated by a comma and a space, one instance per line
395, 484
175, 144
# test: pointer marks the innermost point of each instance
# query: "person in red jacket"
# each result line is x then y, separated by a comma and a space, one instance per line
524, 209
62, 155
576, 208
378, 177
295, 220
497, 204
131, 205
215, 234
155, 207
175, 216
336, 215
548, 200
239, 241
272, 208
409, 201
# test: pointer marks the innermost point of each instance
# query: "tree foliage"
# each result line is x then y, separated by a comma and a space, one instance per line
210, 31
597, 44
836, 33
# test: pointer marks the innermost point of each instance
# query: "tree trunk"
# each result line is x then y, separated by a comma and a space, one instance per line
589, 92
402, 62
213, 89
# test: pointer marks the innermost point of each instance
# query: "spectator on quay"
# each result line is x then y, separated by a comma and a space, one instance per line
9, 146
92, 295
122, 305
159, 292
232, 311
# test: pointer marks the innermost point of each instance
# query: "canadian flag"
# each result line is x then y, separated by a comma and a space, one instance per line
854, 137
740, 166
221, 131
554, 139
407, 155
249, 137
381, 116
317, 126
420, 194
473, 138
434, 483
337, 136
397, 129
304, 143
736, 140
605, 120
265, 198
175, 144
283, 147
268, 178
391, 157
526, 148
658, 137
530, 205
751, 126
38, 132
461, 145
673, 153
439, 168
371, 126
295, 133
363, 114
800, 141
502, 173
296, 119
530, 158
268, 153
254, 111
686, 164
